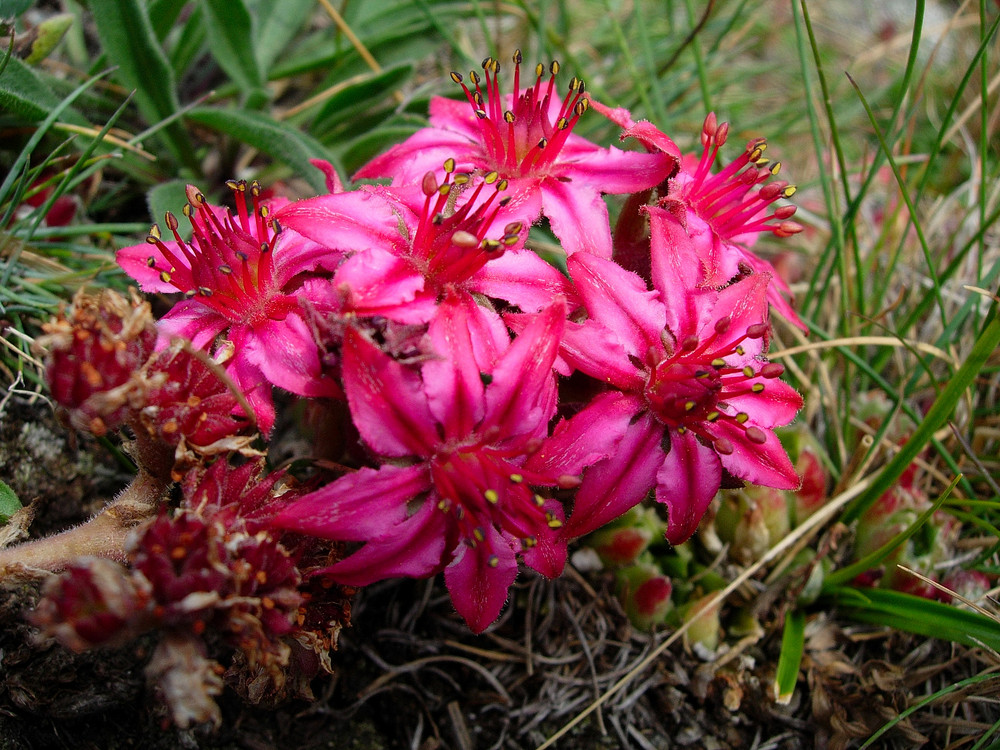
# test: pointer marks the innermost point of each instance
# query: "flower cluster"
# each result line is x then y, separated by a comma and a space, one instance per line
475, 406
206, 574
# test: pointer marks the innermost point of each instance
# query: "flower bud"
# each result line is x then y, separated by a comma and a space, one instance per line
624, 539
92, 353
645, 594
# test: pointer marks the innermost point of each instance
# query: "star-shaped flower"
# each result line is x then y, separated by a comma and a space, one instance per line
452, 493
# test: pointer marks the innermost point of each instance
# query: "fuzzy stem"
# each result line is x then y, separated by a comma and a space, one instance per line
102, 536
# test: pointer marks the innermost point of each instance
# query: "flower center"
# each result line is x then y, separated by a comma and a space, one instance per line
228, 262
730, 200
525, 139
688, 389
480, 484
450, 243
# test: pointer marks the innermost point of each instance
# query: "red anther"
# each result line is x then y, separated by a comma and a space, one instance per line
756, 435
757, 331
429, 184
723, 447
787, 229
772, 370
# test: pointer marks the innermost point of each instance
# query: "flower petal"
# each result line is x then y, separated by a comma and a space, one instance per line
612, 170
686, 483
521, 278
591, 348
349, 221
361, 506
767, 464
589, 436
286, 353
578, 216
424, 151
774, 406
192, 320
619, 300
615, 484
413, 548
387, 400
479, 579
521, 396
454, 387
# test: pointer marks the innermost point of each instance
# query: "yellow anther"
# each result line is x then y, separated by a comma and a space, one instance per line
517, 478
742, 417
491, 497
449, 165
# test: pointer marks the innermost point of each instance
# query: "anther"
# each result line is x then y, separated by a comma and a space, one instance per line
722, 324
517, 57
723, 446
756, 435
756, 331
491, 497
554, 67
508, 117
494, 561
463, 238
171, 221
456, 77
516, 478
429, 184
742, 417
757, 387
772, 370
491, 177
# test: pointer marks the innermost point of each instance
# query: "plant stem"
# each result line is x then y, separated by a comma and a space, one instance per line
102, 536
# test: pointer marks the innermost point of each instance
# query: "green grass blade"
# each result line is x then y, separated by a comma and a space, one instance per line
937, 415
277, 23
230, 29
128, 38
956, 687
914, 614
792, 647
845, 574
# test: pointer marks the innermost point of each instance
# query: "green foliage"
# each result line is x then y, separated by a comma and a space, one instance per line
9, 502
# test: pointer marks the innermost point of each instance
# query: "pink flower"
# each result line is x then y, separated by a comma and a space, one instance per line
424, 239
241, 276
726, 211
527, 139
689, 391
454, 434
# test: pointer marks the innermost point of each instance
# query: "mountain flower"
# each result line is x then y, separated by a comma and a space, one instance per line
527, 138
727, 210
241, 277
689, 393
427, 238
452, 493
